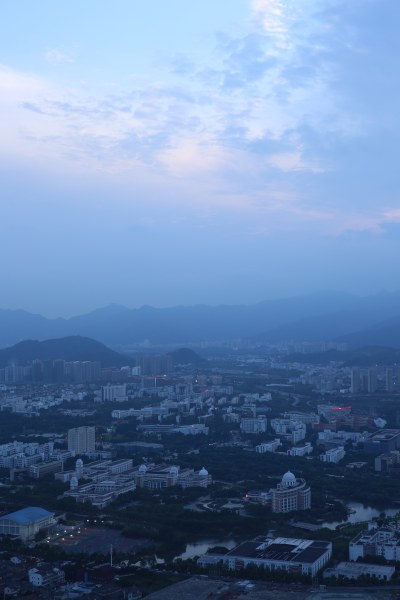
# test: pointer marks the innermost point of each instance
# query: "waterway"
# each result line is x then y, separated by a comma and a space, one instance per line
200, 548
360, 513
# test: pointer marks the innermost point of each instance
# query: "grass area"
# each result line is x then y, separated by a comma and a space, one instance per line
149, 582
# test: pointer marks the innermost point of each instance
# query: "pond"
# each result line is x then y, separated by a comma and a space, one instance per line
359, 513
200, 548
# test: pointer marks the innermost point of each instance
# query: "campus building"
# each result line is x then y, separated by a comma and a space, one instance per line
27, 522
296, 556
381, 541
164, 476
290, 494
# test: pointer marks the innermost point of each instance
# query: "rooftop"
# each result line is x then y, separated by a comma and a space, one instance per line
28, 515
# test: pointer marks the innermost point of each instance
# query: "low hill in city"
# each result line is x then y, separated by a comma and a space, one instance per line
186, 356
68, 348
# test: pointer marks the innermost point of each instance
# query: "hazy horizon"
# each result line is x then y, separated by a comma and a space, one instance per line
197, 153
311, 294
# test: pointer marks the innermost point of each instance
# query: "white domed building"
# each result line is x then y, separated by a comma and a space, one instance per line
290, 494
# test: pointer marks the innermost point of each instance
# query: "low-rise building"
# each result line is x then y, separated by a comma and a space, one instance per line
46, 576
334, 455
40, 470
355, 570
386, 462
296, 556
254, 425
377, 541
268, 446
291, 430
382, 441
162, 476
27, 522
301, 450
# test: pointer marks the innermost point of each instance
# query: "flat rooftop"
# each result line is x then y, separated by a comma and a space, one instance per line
281, 549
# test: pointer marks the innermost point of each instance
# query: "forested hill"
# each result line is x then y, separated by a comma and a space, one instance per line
68, 348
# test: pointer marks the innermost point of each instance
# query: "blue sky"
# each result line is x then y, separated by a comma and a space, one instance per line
171, 152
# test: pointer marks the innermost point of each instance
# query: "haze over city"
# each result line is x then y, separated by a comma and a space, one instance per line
171, 153
200, 307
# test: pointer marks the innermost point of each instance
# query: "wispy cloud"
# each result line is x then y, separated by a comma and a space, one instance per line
264, 127
56, 56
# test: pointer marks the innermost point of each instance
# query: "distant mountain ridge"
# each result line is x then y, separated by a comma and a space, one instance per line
315, 317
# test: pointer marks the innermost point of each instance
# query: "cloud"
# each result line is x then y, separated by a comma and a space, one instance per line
55, 56
274, 126
293, 161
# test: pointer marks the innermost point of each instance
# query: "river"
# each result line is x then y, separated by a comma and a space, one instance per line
200, 548
360, 513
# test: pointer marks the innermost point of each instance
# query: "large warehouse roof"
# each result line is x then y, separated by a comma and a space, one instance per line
28, 515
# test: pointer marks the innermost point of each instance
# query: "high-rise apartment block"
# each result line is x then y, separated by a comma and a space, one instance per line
82, 439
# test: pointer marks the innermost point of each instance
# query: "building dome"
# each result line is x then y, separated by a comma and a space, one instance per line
174, 471
142, 469
203, 472
289, 479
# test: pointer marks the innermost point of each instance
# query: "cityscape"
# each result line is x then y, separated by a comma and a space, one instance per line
200, 300
242, 462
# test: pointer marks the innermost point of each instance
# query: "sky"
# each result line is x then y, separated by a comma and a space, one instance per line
168, 152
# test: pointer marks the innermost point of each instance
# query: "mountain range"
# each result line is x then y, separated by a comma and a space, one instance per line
325, 316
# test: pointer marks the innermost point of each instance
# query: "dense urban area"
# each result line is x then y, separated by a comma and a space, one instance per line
234, 471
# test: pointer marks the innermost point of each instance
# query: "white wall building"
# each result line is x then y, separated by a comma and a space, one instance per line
254, 425
334, 455
383, 541
268, 446
300, 450
291, 430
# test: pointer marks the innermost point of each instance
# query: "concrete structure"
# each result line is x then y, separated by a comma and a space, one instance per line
27, 522
296, 556
382, 441
352, 570
268, 446
300, 450
306, 418
290, 494
262, 497
384, 541
40, 470
254, 425
82, 440
162, 476
385, 462
102, 493
114, 393
46, 576
355, 379
290, 430
334, 455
